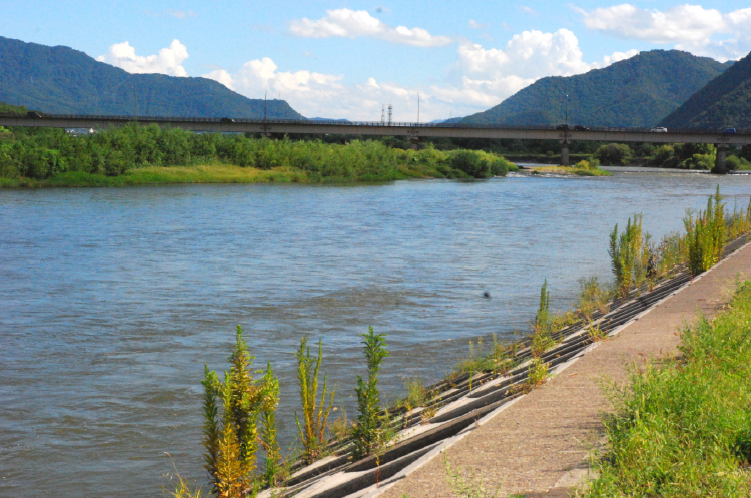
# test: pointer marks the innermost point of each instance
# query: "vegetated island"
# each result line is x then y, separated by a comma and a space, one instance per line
136, 155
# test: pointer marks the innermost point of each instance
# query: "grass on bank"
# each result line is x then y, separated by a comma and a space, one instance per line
582, 168
683, 427
206, 173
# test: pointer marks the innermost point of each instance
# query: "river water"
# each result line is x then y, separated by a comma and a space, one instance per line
111, 300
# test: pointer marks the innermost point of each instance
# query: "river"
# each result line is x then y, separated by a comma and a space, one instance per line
112, 299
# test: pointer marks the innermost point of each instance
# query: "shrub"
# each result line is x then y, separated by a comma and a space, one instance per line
315, 413
627, 255
706, 235
471, 163
614, 154
231, 434
370, 433
734, 162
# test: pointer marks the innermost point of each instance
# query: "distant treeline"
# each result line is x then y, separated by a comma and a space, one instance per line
43, 153
682, 156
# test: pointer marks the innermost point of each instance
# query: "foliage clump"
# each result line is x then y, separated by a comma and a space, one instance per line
682, 427
231, 411
706, 235
315, 412
371, 432
43, 154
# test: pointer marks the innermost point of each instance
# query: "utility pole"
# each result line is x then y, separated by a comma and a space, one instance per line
135, 104
566, 109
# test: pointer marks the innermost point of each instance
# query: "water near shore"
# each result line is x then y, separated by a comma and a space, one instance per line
112, 299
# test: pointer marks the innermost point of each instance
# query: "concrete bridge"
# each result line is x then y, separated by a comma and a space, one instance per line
412, 130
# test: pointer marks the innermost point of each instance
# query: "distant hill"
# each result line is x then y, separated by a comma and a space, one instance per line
728, 95
65, 81
639, 91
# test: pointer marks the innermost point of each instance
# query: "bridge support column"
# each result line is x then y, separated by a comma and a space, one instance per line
415, 141
719, 162
564, 154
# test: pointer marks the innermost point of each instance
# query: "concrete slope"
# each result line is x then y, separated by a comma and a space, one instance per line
538, 446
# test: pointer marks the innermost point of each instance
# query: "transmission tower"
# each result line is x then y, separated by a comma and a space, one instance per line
383, 114
390, 109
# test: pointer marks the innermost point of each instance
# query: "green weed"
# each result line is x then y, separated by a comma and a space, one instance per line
683, 427
371, 432
315, 413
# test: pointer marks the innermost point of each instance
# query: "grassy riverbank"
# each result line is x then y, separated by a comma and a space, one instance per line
134, 155
683, 427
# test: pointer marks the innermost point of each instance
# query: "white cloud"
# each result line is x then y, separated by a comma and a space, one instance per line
168, 61
529, 10
349, 23
222, 77
180, 14
482, 78
477, 25
687, 27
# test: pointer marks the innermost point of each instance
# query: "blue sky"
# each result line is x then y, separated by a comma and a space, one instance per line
345, 59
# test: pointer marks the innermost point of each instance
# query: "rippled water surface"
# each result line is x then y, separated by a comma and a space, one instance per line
112, 299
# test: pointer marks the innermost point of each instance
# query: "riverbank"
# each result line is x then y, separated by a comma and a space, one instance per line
135, 155
211, 173
524, 450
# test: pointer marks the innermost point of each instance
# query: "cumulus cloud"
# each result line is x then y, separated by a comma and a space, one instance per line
482, 78
168, 61
687, 27
349, 23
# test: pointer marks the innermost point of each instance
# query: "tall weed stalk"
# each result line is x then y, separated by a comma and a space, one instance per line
706, 235
628, 256
315, 413
371, 432
231, 432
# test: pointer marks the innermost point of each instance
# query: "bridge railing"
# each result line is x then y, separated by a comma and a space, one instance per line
218, 120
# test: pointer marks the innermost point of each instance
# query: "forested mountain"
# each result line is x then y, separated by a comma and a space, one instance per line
639, 91
723, 102
63, 80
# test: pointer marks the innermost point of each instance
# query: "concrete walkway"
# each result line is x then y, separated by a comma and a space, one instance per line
539, 446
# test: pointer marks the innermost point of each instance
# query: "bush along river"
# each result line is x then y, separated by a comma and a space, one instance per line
111, 300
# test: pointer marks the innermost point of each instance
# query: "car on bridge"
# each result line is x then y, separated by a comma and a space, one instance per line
226, 120
563, 127
581, 128
729, 130
659, 129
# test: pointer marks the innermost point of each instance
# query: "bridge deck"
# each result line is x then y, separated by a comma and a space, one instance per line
452, 130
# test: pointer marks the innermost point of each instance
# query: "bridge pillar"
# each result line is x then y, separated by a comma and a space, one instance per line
564, 153
415, 141
719, 162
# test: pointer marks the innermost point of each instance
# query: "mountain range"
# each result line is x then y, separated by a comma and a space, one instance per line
62, 80
723, 102
635, 92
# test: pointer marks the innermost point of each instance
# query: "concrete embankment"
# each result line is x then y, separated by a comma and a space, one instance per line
540, 443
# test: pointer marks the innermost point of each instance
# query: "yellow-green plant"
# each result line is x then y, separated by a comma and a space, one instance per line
706, 235
541, 339
315, 413
538, 372
627, 255
371, 432
270, 400
231, 433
